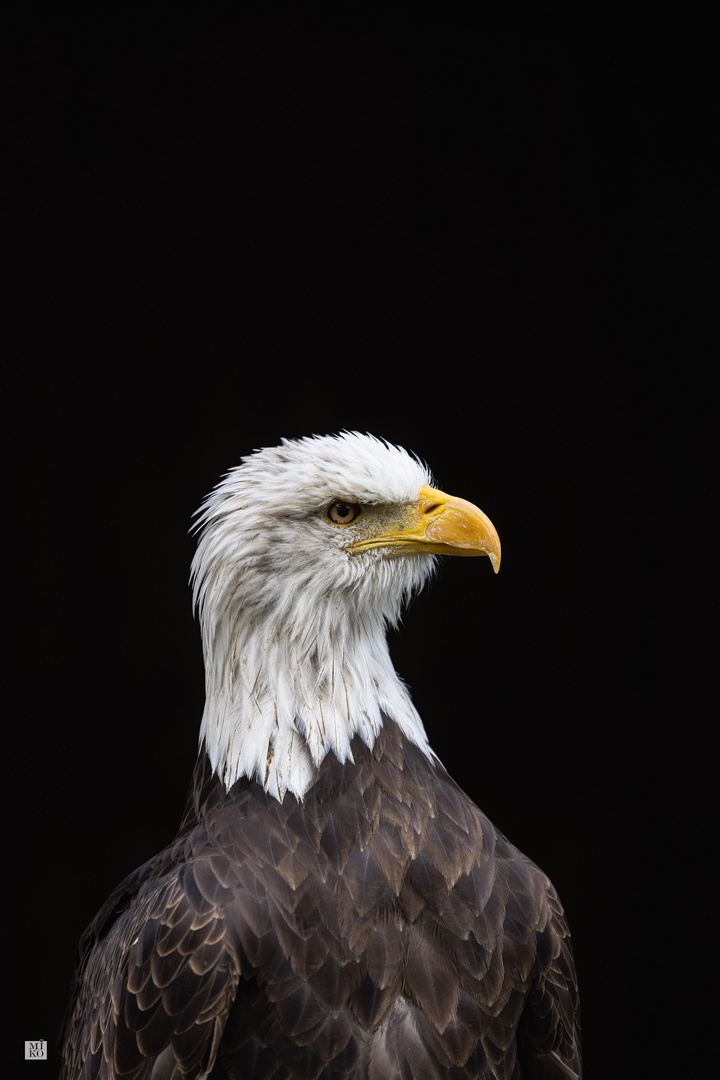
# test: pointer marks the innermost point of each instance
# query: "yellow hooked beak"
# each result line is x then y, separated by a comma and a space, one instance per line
436, 524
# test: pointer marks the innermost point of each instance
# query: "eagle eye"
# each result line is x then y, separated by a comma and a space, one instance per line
342, 512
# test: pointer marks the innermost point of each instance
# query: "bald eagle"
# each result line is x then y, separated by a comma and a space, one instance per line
333, 905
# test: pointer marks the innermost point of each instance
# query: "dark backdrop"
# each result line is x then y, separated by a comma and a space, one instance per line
485, 241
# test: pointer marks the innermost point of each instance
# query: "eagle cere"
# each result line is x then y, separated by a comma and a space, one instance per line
333, 905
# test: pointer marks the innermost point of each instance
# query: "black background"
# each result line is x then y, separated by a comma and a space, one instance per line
487, 240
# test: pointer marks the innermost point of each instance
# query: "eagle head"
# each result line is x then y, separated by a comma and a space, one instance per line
307, 552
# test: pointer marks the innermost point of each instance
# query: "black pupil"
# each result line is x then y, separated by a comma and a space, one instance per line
343, 510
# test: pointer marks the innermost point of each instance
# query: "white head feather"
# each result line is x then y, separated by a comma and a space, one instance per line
293, 627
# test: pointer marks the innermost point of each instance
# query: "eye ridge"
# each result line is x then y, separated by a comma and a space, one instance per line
343, 512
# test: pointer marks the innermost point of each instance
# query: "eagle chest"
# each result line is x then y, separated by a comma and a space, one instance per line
375, 904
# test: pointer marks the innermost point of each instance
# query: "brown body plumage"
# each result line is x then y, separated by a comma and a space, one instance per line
381, 928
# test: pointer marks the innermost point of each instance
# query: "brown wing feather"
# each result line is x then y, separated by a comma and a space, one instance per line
380, 929
163, 973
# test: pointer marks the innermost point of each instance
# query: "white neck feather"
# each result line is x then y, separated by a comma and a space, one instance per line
277, 704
